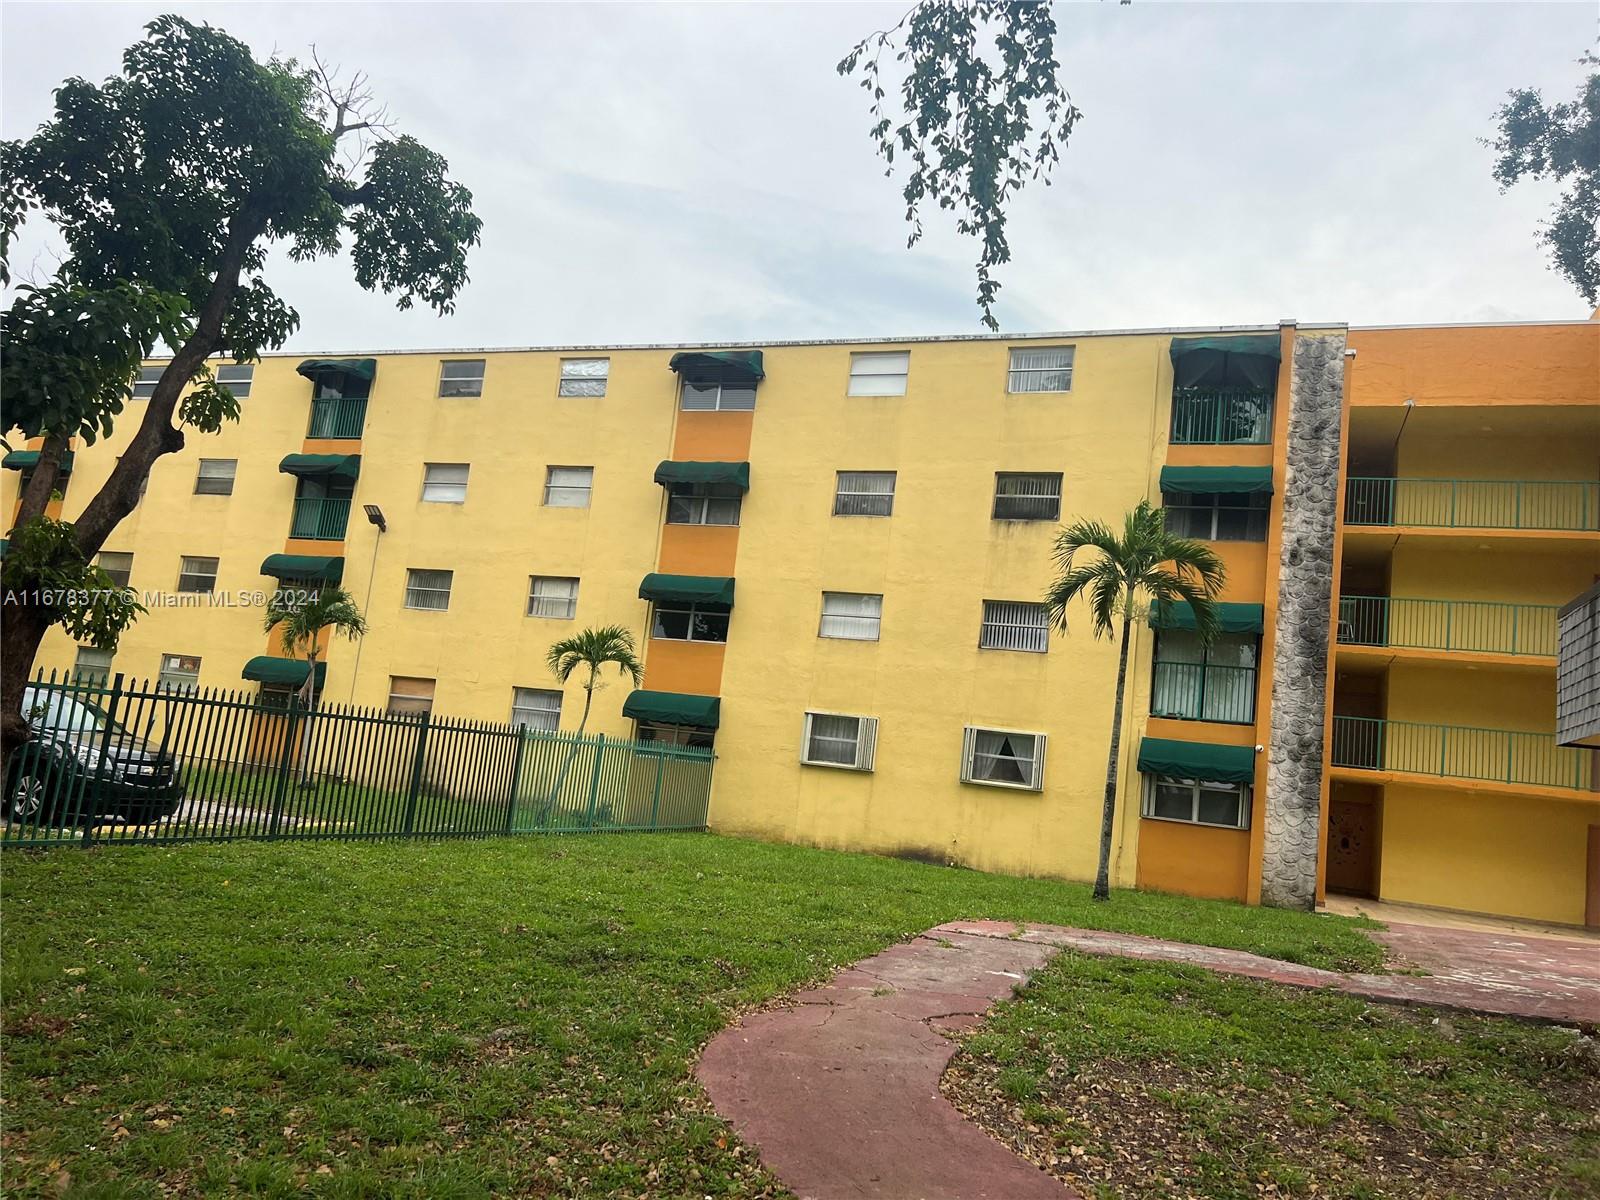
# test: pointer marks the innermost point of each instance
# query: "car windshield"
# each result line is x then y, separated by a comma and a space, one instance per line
62, 714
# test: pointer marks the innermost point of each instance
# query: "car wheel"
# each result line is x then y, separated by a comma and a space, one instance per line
27, 800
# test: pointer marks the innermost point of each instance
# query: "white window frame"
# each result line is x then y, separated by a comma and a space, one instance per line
222, 470
575, 382
868, 622
1025, 375
678, 606
552, 488
1004, 627
177, 674
854, 494
411, 698
99, 674
1047, 477
718, 404
416, 589
866, 370
1258, 512
969, 749
121, 574
554, 606
865, 742
237, 378
191, 568
699, 506
439, 485
530, 709
463, 385
144, 384
1147, 810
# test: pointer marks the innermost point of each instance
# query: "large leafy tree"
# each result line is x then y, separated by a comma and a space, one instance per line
981, 112
1560, 142
1119, 575
168, 184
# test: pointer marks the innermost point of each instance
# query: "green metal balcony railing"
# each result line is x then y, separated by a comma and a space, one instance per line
1221, 416
1459, 752
1447, 625
320, 517
1474, 503
338, 418
1202, 692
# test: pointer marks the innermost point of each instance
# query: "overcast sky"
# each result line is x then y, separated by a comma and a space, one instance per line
658, 173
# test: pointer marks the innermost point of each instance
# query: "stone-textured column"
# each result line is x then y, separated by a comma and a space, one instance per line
1305, 587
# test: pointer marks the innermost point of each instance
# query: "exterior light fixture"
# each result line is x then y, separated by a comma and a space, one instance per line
375, 515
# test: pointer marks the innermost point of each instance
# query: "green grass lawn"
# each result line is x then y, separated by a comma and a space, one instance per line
1156, 1082
452, 1019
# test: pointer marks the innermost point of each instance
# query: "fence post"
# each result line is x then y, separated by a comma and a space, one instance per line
415, 789
85, 793
285, 767
516, 779
594, 778
655, 800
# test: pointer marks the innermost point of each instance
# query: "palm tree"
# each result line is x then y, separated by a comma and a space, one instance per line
301, 620
1146, 562
594, 648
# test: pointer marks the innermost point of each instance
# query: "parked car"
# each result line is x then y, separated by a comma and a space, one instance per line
82, 767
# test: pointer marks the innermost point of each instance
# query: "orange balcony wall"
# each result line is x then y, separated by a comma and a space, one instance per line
692, 667
699, 549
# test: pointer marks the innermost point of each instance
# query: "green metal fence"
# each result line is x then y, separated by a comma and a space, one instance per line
320, 517
1458, 751
1221, 416
1473, 503
1447, 625
148, 763
1204, 692
335, 417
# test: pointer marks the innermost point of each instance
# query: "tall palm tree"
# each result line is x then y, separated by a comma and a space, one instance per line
594, 648
1146, 563
301, 620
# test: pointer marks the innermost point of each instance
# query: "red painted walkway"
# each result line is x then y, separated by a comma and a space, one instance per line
840, 1093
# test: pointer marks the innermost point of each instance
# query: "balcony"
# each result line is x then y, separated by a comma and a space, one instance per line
320, 518
1471, 626
337, 417
1572, 505
1204, 692
1458, 752
1212, 416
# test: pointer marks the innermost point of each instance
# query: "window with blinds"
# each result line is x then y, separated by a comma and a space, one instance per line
536, 708
1041, 369
145, 386
864, 494
1027, 496
568, 487
1003, 758
553, 596
116, 564
708, 396
92, 667
834, 740
1216, 517
584, 376
445, 483
855, 616
428, 590
237, 379
462, 377
1015, 625
215, 477
876, 373
197, 574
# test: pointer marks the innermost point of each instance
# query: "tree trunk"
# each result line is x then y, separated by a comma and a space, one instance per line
25, 627
1108, 816
42, 483
311, 708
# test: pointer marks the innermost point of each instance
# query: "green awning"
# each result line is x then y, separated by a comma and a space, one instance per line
1231, 618
719, 366
322, 466
361, 368
1197, 760
673, 708
1255, 481
27, 460
304, 566
265, 668
1241, 360
688, 589
736, 474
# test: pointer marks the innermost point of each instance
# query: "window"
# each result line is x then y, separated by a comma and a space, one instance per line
1198, 801
197, 574
676, 735
879, 374
92, 667
1216, 516
1027, 497
831, 740
464, 377
703, 504
584, 376
853, 615
180, 672
698, 396
691, 622
445, 483
1196, 683
536, 708
864, 494
1003, 758
145, 386
215, 477
428, 590
1015, 625
568, 487
117, 565
410, 696
1041, 369
552, 596
237, 378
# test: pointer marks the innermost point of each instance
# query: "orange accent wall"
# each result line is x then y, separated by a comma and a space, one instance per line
1247, 571
692, 667
698, 549
1219, 456
313, 547
1201, 731
331, 446
713, 436
1194, 860
1508, 364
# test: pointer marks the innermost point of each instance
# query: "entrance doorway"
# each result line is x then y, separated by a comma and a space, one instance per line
1354, 832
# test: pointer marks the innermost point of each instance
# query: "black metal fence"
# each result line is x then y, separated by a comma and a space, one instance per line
130, 762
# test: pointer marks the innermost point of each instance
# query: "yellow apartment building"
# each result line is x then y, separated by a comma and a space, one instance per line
832, 555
